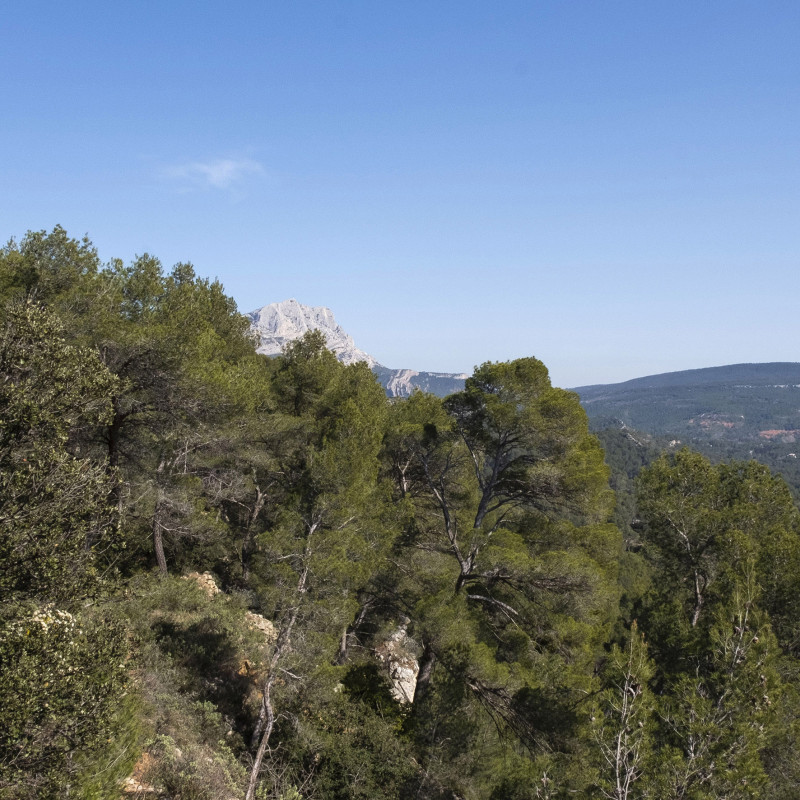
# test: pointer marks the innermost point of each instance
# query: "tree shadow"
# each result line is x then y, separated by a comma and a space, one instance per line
210, 666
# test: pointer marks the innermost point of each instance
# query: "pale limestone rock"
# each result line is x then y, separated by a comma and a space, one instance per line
136, 783
132, 786
262, 624
397, 656
205, 580
280, 323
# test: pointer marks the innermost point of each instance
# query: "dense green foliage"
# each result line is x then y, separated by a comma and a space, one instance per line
422, 598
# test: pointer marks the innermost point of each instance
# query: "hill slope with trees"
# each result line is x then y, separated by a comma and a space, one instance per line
227, 575
736, 403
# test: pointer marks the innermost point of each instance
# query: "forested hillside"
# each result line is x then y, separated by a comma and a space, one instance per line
751, 403
232, 576
740, 412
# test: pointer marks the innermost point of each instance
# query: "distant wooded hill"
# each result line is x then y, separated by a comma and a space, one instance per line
740, 402
739, 411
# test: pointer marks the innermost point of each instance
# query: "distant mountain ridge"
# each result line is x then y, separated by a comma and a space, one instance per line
277, 324
754, 373
735, 402
735, 412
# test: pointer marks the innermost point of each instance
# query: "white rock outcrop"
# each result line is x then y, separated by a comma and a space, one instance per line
397, 656
205, 580
262, 624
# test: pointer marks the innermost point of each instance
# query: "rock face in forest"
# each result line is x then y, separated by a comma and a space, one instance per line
206, 581
277, 324
398, 656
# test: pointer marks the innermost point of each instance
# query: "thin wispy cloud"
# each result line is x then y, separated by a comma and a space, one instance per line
222, 173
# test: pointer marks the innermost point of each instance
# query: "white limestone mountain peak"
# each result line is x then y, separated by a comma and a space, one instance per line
277, 324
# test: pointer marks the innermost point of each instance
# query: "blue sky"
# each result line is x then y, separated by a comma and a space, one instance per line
611, 186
